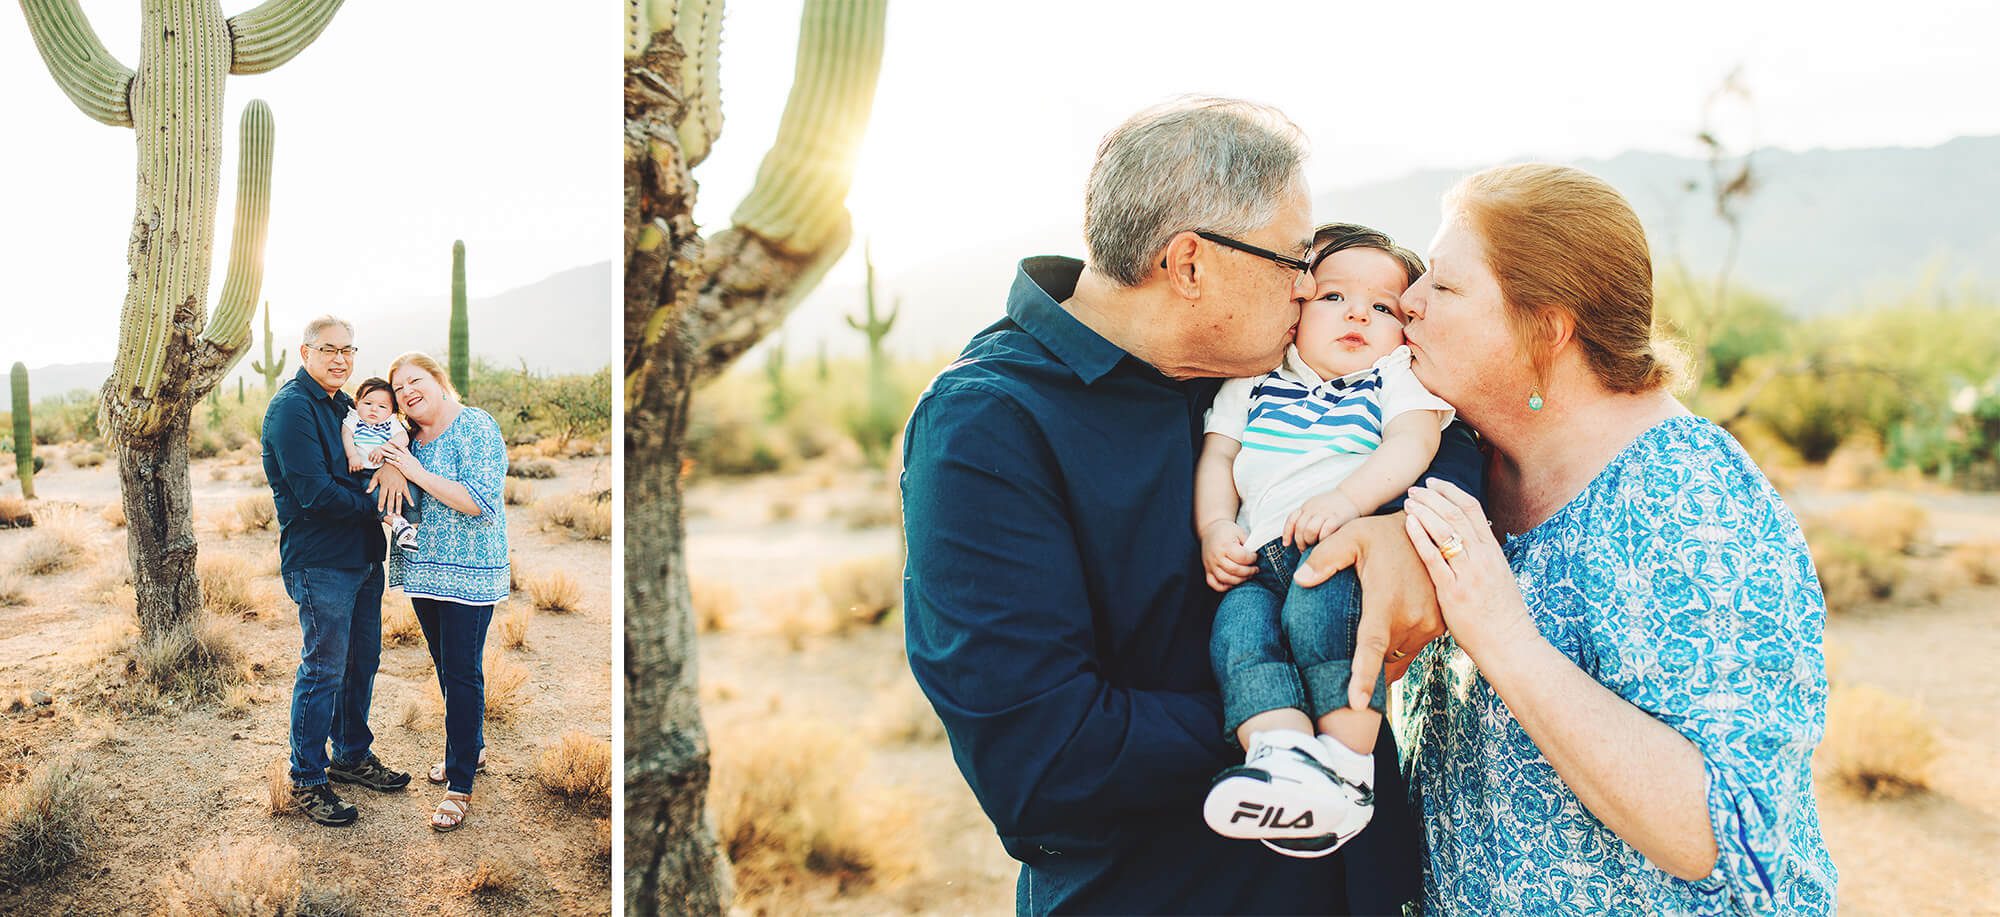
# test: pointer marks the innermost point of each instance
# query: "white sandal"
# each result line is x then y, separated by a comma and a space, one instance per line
437, 770
451, 812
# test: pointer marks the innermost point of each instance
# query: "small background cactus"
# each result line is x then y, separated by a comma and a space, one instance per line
881, 420
780, 397
461, 345
24, 432
272, 368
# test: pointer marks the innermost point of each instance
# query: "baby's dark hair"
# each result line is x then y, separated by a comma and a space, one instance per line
1337, 237
375, 383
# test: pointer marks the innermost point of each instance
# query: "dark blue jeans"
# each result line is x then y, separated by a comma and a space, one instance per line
1278, 645
456, 635
340, 622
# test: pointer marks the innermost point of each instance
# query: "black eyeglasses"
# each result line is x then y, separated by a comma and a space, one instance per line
1296, 264
332, 351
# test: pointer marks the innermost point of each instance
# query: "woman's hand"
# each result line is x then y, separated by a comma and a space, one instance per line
405, 462
1476, 589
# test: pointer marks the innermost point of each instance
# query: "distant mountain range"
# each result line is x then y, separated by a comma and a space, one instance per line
562, 323
1825, 230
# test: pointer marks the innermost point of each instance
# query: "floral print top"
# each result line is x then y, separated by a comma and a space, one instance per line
1679, 580
460, 558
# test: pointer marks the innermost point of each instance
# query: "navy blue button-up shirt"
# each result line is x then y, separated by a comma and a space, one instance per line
325, 515
1057, 618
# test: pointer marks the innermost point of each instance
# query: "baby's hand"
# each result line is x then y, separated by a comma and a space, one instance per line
375, 455
1318, 518
1224, 556
354, 462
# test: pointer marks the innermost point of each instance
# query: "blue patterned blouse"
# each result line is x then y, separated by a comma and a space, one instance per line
461, 558
1679, 580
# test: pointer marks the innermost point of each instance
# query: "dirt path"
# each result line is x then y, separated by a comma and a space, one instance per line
181, 783
769, 536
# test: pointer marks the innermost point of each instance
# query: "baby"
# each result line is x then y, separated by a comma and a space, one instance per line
370, 425
1340, 428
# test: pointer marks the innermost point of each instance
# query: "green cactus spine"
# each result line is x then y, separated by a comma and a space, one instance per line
271, 369
461, 346
881, 420
780, 398
24, 432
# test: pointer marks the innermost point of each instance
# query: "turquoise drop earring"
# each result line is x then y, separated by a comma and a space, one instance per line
1535, 399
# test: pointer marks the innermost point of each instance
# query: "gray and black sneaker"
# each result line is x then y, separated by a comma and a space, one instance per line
369, 772
320, 804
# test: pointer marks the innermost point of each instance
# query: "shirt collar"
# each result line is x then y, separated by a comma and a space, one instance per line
310, 386
1035, 303
1295, 365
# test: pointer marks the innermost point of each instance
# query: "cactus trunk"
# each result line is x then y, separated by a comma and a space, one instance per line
461, 347
171, 352
24, 432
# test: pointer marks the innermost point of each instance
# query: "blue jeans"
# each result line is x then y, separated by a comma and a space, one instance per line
1278, 645
340, 621
456, 635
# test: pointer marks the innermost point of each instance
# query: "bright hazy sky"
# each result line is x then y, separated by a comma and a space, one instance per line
988, 114
405, 126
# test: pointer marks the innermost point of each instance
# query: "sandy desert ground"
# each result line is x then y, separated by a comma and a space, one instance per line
777, 664
186, 792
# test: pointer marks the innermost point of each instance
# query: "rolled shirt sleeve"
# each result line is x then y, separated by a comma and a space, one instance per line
999, 624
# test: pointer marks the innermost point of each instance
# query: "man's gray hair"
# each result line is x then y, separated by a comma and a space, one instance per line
314, 327
1222, 165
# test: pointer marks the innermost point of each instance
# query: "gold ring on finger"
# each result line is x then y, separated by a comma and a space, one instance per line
1452, 548
1397, 655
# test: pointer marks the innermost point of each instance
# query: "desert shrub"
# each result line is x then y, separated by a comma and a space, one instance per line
86, 458
581, 514
14, 513
786, 808
256, 512
58, 544
1979, 560
577, 767
1877, 744
517, 492
399, 621
113, 513
863, 590
514, 628
240, 879
529, 407
715, 604
48, 820
878, 510
67, 417
506, 683
533, 469
795, 614
12, 593
227, 585
192, 664
557, 591
902, 714
1861, 551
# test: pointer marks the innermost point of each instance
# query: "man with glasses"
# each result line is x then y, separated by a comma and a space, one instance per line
1056, 613
330, 549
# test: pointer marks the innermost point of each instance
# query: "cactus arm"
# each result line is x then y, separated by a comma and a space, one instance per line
701, 22
264, 37
643, 18
229, 328
799, 200
753, 287
889, 321
99, 85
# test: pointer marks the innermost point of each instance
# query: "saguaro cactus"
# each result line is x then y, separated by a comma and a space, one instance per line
272, 369
882, 419
780, 399
461, 346
692, 306
170, 352
24, 432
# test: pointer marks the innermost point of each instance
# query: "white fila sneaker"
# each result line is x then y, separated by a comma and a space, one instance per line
1293, 788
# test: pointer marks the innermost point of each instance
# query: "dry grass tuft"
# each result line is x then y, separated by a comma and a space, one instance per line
795, 614
492, 876
583, 515
903, 715
15, 514
1861, 551
557, 592
506, 684
243, 879
12, 593
715, 604
578, 767
877, 510
517, 492
113, 513
256, 512
532, 469
86, 458
1877, 744
1979, 561
786, 809
228, 586
48, 820
191, 665
514, 627
864, 590
58, 544
399, 621
278, 783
